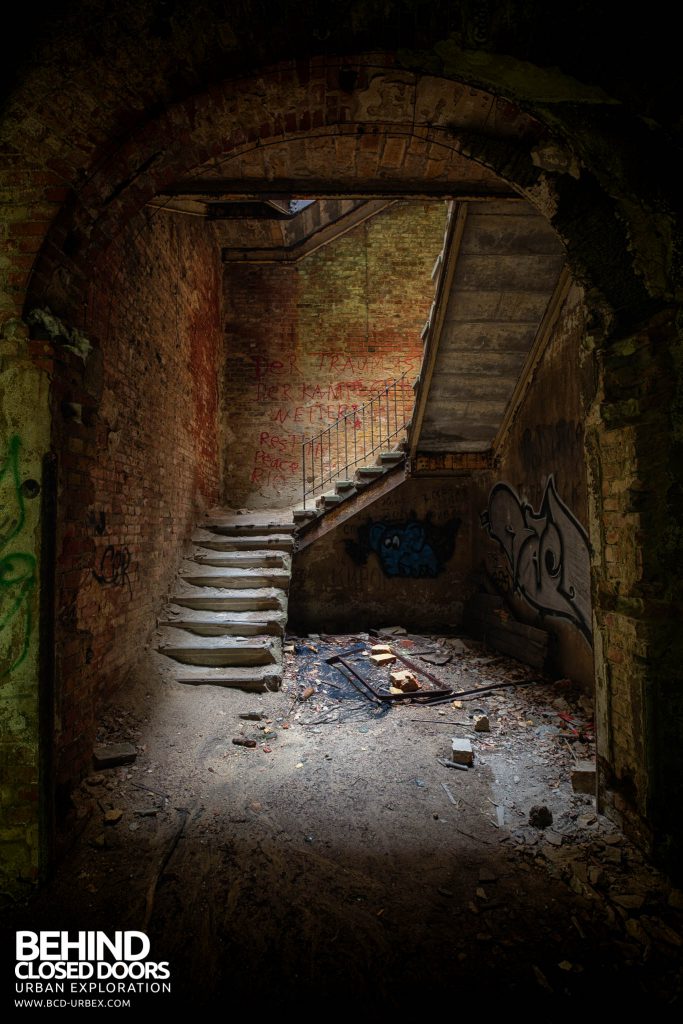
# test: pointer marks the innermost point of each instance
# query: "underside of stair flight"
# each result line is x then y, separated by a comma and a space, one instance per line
500, 281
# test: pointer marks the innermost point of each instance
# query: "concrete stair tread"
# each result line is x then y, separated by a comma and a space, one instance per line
218, 650
226, 623
233, 578
218, 542
248, 677
170, 636
237, 529
250, 517
331, 498
184, 589
370, 470
247, 559
247, 616
230, 571
220, 599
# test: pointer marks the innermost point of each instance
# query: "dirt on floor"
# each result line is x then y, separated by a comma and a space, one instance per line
342, 857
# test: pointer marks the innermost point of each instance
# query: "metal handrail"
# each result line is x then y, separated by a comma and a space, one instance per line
388, 413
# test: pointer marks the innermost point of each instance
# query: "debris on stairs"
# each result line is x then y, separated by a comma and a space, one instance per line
226, 619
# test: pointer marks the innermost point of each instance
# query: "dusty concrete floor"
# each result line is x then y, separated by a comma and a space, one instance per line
335, 863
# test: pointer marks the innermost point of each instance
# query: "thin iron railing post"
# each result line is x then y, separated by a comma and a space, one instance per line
336, 431
346, 447
372, 428
361, 449
303, 473
329, 454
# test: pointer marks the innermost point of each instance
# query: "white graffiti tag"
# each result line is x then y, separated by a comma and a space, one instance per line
547, 552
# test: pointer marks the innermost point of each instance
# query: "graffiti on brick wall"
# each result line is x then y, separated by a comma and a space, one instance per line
115, 560
113, 568
17, 568
294, 401
547, 553
98, 523
406, 549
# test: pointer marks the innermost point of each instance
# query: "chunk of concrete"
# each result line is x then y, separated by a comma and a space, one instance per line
461, 751
583, 777
111, 755
405, 681
482, 724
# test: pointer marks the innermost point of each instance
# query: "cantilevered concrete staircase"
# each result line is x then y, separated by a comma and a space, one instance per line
227, 615
385, 463
499, 286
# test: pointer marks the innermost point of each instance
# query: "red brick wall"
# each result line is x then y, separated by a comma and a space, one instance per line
306, 343
635, 503
135, 473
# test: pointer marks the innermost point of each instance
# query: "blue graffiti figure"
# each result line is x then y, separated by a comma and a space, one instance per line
404, 550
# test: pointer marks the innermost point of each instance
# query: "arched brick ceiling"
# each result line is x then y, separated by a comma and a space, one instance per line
351, 161
293, 120
93, 132
349, 158
109, 63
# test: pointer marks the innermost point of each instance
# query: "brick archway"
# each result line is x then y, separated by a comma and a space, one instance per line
303, 124
297, 120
